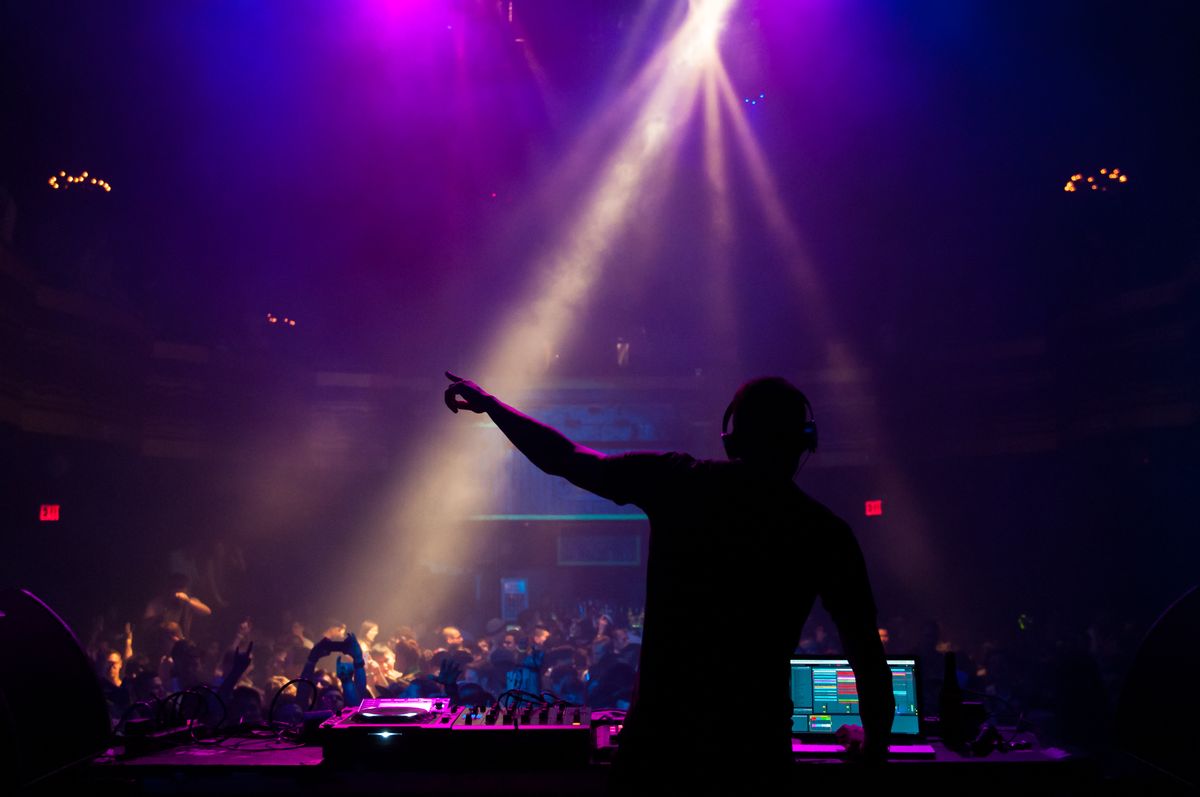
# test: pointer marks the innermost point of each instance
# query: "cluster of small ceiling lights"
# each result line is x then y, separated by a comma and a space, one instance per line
1098, 182
68, 180
759, 100
274, 319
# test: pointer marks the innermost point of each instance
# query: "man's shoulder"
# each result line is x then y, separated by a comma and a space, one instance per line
819, 511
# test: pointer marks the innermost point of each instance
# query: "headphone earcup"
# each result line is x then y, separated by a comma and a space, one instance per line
731, 446
809, 436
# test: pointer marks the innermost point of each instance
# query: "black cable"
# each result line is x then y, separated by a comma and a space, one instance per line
176, 699
197, 690
153, 704
312, 703
520, 696
558, 701
1007, 702
220, 702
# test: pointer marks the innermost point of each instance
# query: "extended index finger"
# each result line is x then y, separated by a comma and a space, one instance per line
453, 377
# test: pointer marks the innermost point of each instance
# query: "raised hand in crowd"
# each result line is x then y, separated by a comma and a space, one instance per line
448, 677
353, 673
127, 653
199, 606
319, 651
241, 663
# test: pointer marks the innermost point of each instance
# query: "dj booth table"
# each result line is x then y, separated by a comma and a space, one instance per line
263, 766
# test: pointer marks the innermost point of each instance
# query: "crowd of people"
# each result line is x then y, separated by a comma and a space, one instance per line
1063, 685
587, 658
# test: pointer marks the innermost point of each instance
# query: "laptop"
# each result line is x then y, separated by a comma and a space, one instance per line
825, 697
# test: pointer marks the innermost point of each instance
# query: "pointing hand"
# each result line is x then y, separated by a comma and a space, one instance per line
463, 394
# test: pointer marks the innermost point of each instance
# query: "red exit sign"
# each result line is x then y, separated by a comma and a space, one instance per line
874, 508
48, 513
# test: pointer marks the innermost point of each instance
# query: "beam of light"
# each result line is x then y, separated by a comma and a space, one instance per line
428, 523
568, 271
921, 569
541, 80
721, 287
636, 39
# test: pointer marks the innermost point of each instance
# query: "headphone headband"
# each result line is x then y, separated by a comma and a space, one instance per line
808, 432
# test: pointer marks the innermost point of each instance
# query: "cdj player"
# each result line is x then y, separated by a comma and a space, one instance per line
398, 732
422, 733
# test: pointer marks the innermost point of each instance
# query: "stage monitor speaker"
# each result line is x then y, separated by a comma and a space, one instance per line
52, 712
1159, 704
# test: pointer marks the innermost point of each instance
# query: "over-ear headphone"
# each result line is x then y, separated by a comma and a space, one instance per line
808, 432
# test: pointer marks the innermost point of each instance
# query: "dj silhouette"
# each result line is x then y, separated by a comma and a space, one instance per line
738, 554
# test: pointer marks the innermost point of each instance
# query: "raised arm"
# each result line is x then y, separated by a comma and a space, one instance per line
240, 663
198, 606
546, 447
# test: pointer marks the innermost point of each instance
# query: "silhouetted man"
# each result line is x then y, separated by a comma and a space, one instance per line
737, 552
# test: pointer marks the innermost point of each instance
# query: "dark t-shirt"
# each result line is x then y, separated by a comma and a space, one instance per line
736, 562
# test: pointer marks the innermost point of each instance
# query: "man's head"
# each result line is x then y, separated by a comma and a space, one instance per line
453, 637
539, 636
110, 668
769, 424
178, 582
620, 637
385, 656
187, 658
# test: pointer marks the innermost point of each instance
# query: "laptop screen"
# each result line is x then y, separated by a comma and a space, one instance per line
825, 697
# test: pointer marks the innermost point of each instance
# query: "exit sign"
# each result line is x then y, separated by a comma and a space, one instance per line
874, 508
48, 513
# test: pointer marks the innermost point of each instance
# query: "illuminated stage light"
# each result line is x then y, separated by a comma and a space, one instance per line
1078, 180
286, 321
84, 178
761, 98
